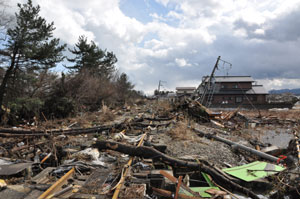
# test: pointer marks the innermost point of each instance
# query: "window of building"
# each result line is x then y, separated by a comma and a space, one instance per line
254, 98
238, 99
235, 86
223, 86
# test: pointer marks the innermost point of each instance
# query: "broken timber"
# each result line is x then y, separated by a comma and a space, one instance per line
22, 132
118, 187
151, 153
57, 184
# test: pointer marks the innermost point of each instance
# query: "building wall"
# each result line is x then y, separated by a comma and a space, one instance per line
185, 91
262, 98
235, 85
239, 99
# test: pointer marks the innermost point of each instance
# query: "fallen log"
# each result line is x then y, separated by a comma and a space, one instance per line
12, 132
151, 153
161, 148
145, 152
144, 125
22, 132
159, 118
251, 150
9, 132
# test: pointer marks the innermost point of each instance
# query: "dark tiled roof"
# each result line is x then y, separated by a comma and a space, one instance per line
185, 88
232, 79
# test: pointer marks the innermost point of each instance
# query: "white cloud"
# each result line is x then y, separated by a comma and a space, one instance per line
279, 83
181, 62
190, 33
241, 32
154, 44
259, 31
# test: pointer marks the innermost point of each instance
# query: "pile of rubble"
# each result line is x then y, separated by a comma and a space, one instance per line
152, 150
284, 97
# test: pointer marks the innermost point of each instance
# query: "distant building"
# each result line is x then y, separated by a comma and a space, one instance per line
231, 90
185, 91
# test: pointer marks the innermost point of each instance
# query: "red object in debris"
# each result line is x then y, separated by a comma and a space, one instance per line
281, 157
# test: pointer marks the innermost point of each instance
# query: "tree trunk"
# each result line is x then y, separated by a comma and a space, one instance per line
3, 85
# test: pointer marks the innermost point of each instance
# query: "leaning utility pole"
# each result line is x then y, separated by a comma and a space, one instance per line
160, 84
208, 86
209, 82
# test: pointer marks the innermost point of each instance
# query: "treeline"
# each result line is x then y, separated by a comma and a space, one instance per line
30, 89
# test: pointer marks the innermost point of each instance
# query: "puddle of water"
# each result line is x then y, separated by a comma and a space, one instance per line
280, 137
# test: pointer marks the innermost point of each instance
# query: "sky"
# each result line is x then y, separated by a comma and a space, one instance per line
178, 41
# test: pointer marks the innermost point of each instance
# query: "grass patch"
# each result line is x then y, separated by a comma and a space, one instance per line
182, 132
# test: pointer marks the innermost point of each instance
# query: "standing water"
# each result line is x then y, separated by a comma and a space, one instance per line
278, 137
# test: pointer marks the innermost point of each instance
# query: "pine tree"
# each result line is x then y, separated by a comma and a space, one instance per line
124, 86
90, 57
30, 45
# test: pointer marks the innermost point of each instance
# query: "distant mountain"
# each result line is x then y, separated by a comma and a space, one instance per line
295, 91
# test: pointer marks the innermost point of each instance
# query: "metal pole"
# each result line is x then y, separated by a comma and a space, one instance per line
254, 151
159, 86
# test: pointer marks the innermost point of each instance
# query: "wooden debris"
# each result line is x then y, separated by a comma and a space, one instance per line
175, 180
170, 194
118, 187
178, 187
148, 152
43, 176
94, 184
57, 185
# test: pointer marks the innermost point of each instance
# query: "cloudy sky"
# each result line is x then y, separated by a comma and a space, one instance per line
178, 41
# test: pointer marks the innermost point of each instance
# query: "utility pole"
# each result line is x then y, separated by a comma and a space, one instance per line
209, 83
160, 85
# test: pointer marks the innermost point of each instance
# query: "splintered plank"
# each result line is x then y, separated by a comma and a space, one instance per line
93, 184
58, 184
85, 196
43, 176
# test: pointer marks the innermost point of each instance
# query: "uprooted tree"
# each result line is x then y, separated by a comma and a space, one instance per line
29, 46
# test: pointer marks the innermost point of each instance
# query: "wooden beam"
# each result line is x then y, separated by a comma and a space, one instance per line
57, 185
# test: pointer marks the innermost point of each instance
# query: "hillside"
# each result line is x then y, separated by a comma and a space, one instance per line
295, 91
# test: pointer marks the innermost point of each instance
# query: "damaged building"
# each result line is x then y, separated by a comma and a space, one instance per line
231, 91
185, 91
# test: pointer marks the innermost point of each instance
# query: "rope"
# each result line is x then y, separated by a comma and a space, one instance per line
297, 146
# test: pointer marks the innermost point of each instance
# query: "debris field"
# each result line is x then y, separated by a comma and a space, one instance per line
154, 149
